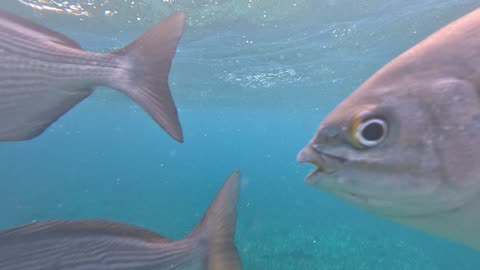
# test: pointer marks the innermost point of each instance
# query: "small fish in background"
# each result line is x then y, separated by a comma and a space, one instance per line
406, 144
100, 245
43, 74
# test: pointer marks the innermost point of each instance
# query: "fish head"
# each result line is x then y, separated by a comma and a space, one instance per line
400, 146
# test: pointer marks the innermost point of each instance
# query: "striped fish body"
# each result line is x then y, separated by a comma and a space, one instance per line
102, 245
91, 244
43, 74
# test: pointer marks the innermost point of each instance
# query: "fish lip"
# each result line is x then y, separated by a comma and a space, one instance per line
320, 159
313, 174
334, 157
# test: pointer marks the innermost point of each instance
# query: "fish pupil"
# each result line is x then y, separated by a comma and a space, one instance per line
373, 132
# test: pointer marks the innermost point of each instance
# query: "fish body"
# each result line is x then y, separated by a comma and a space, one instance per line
43, 74
100, 245
405, 145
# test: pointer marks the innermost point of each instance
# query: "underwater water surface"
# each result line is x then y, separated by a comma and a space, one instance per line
251, 93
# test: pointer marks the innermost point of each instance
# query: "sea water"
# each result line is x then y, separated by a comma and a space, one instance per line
252, 80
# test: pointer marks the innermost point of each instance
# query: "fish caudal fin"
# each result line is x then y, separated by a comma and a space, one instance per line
217, 227
147, 62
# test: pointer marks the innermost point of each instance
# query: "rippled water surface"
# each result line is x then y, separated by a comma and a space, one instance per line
252, 79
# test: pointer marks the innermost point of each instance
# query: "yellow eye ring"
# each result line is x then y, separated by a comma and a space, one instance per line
367, 130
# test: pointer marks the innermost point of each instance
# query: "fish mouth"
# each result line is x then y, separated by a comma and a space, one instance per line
326, 168
325, 163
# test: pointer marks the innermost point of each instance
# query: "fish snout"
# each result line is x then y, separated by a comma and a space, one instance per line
327, 135
309, 155
326, 164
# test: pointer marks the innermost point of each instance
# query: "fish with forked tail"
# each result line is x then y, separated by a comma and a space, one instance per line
100, 245
43, 74
406, 144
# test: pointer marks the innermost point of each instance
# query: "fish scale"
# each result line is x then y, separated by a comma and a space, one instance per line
423, 171
100, 244
44, 74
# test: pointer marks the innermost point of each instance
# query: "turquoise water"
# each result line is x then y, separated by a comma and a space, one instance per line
242, 105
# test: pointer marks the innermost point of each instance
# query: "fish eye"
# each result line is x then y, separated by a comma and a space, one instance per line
368, 132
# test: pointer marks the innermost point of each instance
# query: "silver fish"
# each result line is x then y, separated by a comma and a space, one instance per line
100, 245
43, 74
406, 144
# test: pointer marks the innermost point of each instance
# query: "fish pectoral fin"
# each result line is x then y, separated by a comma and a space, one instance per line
26, 113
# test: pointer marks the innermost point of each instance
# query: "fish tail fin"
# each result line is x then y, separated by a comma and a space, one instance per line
217, 227
147, 62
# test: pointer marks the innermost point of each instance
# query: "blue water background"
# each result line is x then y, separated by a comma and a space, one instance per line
241, 106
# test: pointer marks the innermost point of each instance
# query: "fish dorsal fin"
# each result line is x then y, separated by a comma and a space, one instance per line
35, 31
61, 228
